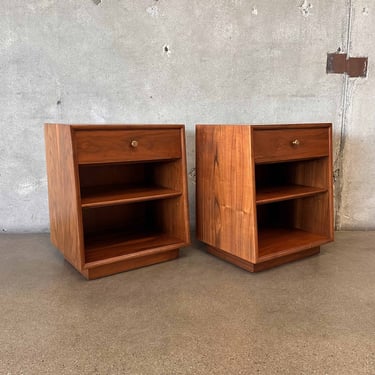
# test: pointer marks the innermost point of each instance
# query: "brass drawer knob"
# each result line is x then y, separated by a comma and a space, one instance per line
295, 142
134, 143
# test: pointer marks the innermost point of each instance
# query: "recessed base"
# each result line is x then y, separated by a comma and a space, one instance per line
129, 264
263, 265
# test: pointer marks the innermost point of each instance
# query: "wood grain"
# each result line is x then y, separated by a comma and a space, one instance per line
113, 206
103, 146
63, 194
311, 143
262, 201
225, 189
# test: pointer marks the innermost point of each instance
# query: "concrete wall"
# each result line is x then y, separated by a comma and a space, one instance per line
159, 61
356, 191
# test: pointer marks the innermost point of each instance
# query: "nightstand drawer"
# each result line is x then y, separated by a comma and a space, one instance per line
289, 144
101, 146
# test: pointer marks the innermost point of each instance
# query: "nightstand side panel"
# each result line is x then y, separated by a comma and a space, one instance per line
226, 211
63, 196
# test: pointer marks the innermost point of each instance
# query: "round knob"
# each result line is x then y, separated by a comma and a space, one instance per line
134, 143
295, 142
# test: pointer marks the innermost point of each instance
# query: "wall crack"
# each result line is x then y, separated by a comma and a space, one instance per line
345, 105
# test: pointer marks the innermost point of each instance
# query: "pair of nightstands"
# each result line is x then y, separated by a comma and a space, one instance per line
118, 193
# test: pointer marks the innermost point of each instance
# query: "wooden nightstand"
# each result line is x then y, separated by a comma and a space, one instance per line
264, 193
117, 195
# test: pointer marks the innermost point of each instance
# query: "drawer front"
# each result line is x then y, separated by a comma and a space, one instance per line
289, 144
101, 146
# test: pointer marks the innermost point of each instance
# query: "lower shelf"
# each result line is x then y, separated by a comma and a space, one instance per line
111, 253
109, 248
276, 242
100, 269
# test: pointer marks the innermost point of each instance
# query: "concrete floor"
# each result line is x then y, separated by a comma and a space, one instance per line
194, 315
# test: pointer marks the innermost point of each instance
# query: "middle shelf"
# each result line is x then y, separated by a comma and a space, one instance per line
125, 183
99, 196
279, 193
281, 181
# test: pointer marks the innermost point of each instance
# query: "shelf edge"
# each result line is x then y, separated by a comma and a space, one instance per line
137, 254
316, 191
129, 200
296, 249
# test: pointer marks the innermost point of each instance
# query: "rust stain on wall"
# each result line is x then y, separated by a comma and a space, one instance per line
339, 63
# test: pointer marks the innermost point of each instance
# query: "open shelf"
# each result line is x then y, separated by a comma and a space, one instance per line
117, 195
105, 248
290, 180
118, 183
275, 242
98, 196
288, 226
275, 206
279, 193
130, 230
